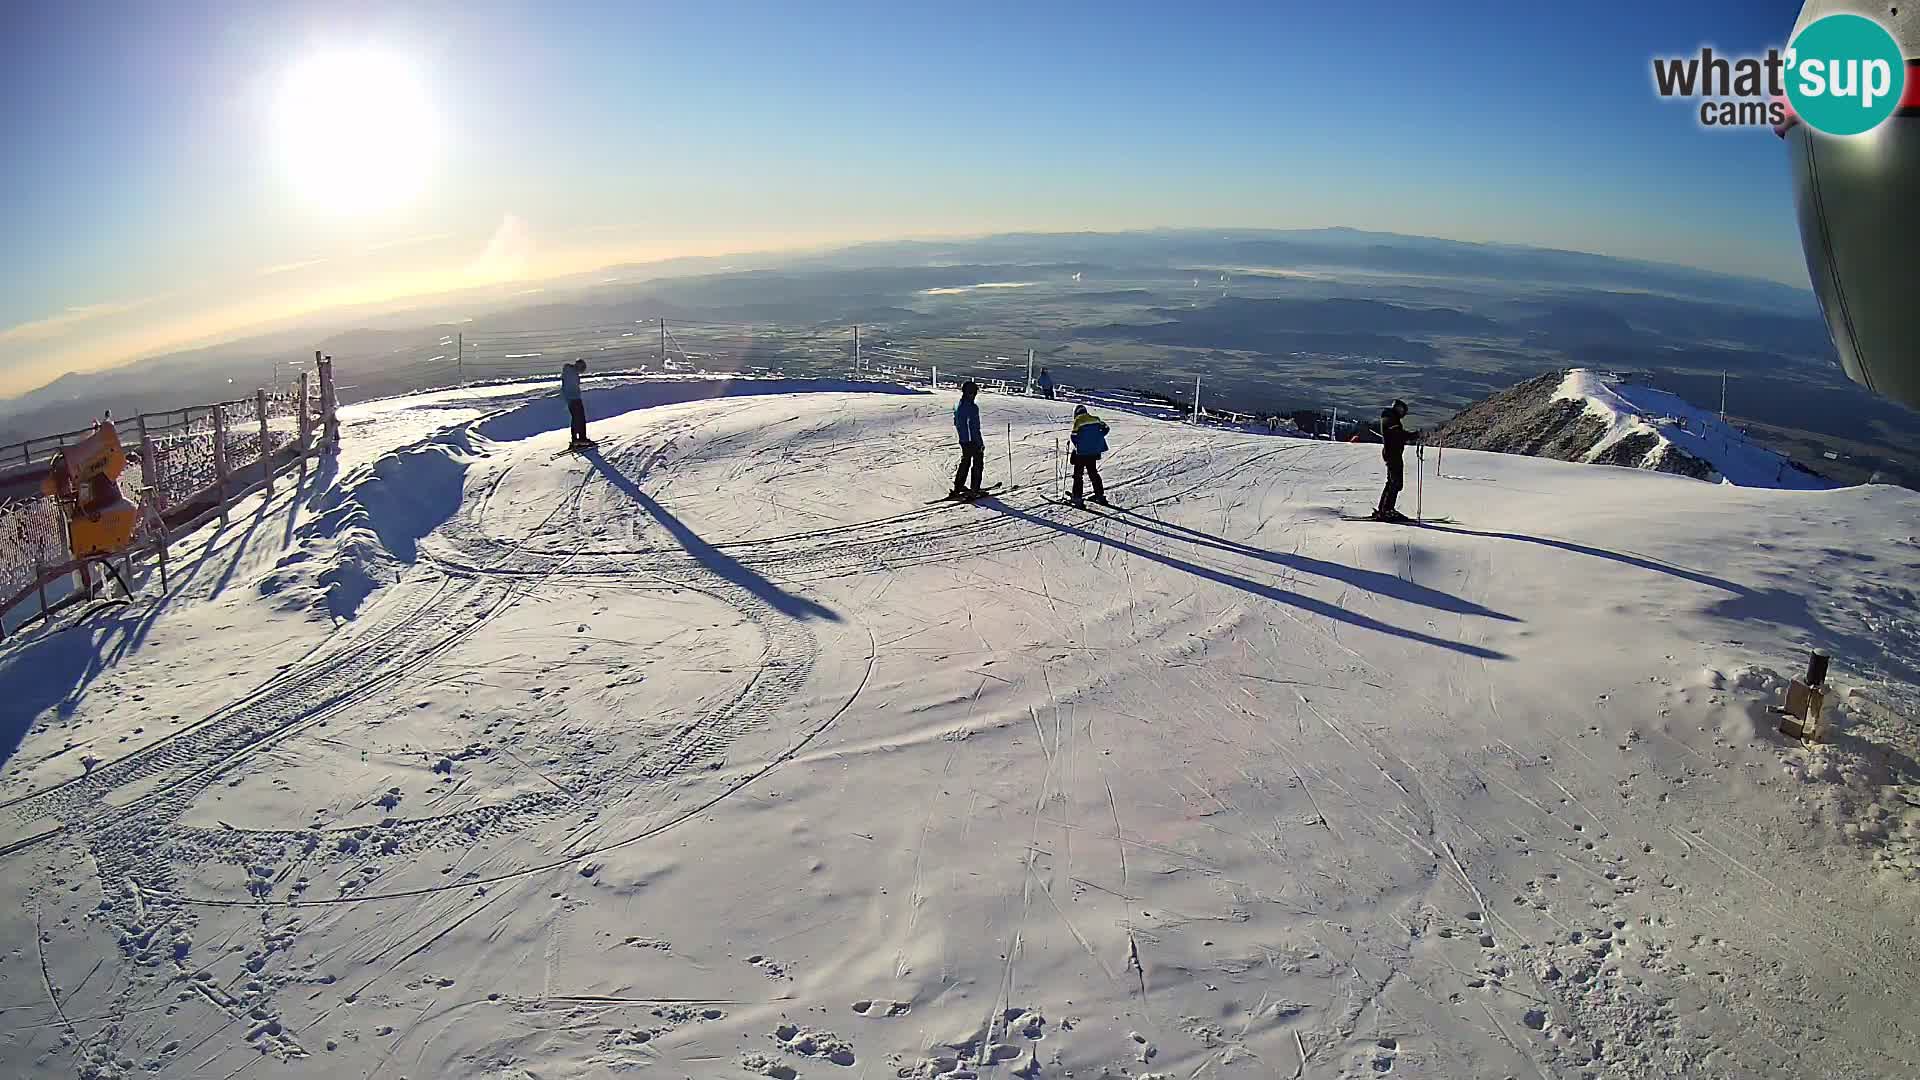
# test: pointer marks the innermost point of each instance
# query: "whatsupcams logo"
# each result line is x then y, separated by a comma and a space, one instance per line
1842, 75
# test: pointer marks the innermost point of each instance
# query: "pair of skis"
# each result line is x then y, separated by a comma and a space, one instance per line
992, 491
1399, 520
1083, 504
989, 492
995, 490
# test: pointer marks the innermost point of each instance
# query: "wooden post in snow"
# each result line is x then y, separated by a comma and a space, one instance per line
306, 420
220, 458
161, 543
329, 404
266, 447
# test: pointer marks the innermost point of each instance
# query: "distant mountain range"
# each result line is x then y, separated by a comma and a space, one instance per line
1275, 320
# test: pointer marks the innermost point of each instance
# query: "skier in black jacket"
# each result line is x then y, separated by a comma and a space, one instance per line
1394, 431
973, 448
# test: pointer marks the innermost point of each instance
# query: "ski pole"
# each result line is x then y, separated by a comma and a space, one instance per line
1009, 451
1419, 482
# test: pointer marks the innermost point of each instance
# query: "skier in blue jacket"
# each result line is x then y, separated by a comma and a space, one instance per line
1089, 442
973, 448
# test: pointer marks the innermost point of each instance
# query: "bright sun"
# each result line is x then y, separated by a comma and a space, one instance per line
357, 130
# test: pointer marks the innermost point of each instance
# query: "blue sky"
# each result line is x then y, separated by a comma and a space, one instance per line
148, 201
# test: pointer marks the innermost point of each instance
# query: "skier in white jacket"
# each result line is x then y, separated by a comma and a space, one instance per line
570, 389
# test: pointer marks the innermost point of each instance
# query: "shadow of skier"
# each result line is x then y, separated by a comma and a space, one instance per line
715, 561
1374, 581
1248, 585
1626, 558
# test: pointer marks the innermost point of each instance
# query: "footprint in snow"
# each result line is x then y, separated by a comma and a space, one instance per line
812, 1043
1148, 1051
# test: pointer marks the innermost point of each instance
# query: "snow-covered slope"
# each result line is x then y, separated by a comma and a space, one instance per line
1580, 415
722, 751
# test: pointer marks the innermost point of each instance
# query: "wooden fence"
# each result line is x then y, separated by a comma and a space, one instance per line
194, 463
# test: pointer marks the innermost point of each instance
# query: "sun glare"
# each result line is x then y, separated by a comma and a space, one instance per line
357, 130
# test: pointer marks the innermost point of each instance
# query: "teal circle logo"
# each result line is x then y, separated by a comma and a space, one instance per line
1845, 74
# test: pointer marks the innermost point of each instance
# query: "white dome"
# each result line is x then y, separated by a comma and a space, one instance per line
1900, 17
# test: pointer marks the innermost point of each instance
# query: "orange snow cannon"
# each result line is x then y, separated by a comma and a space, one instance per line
84, 480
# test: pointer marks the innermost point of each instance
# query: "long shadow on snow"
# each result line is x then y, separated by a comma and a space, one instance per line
49, 674
55, 670
712, 558
1642, 562
1743, 603
1373, 581
1267, 592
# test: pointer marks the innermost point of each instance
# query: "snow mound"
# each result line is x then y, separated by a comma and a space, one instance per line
1858, 786
365, 531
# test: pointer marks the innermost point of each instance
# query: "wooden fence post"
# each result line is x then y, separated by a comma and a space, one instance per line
306, 420
266, 448
329, 406
150, 468
220, 458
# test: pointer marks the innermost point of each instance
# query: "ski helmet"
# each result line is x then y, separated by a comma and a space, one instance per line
969, 388
1400, 406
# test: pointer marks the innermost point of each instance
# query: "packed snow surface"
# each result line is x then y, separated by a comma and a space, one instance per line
722, 750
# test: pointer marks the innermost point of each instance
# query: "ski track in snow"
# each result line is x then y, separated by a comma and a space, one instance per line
647, 764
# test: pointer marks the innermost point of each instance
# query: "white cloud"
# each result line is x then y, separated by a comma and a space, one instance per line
55, 326
288, 268
956, 290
